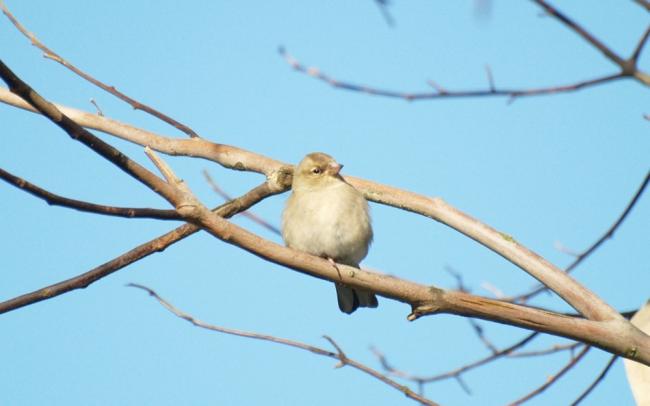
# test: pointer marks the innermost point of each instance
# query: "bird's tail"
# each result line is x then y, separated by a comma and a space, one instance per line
351, 299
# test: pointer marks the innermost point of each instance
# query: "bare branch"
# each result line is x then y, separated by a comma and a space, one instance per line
249, 214
228, 156
604, 330
383, 8
158, 244
338, 355
551, 350
628, 66
441, 92
550, 381
643, 3
578, 29
481, 335
50, 54
596, 381
94, 103
56, 200
608, 234
279, 176
490, 77
628, 69
78, 133
639, 47
421, 379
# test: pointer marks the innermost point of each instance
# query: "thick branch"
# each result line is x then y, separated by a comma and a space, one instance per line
424, 300
225, 155
583, 300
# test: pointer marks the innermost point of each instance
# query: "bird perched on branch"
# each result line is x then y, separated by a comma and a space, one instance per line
326, 216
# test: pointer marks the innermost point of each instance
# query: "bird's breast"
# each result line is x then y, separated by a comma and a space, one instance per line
333, 222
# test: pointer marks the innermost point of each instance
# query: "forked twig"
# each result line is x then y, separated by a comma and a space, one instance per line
338, 355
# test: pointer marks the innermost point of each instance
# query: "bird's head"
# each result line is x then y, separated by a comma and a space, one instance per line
317, 170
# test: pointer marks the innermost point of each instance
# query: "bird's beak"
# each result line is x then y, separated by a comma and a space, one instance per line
335, 168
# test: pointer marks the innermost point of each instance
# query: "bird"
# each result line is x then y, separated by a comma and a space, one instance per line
327, 217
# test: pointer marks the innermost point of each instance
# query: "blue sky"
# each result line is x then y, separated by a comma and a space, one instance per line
546, 170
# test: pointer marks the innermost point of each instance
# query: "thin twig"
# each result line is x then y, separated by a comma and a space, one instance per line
490, 77
455, 372
643, 3
50, 54
383, 8
578, 29
338, 355
551, 350
249, 214
628, 69
639, 46
99, 110
582, 256
628, 66
550, 381
481, 335
596, 381
57, 200
78, 133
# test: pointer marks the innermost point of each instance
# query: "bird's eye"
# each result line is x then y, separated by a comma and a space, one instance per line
316, 170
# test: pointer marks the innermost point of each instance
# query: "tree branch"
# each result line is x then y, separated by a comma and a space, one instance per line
582, 256
639, 47
424, 300
225, 155
643, 3
550, 381
596, 381
78, 133
628, 69
248, 214
605, 330
338, 355
279, 176
50, 54
443, 93
578, 29
454, 373
158, 244
56, 200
